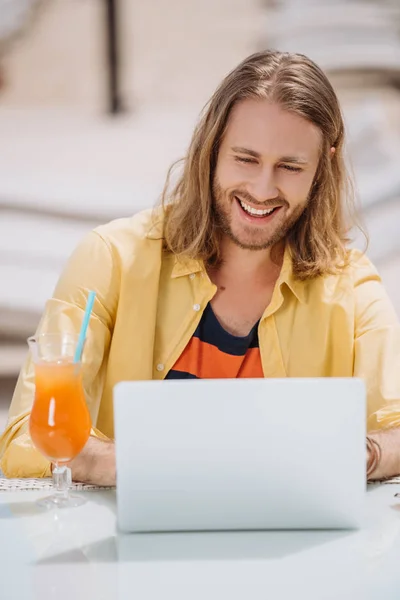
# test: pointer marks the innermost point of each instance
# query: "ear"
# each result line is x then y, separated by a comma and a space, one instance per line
333, 150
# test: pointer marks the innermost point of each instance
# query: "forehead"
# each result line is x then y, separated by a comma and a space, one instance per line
267, 128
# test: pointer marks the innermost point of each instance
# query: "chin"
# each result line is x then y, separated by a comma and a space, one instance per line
252, 242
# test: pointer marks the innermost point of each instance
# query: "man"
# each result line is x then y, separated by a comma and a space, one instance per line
243, 271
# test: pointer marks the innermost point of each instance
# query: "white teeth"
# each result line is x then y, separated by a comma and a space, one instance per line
255, 211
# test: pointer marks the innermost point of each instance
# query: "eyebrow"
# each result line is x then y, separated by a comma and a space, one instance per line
287, 159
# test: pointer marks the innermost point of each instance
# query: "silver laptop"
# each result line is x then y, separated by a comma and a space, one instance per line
240, 454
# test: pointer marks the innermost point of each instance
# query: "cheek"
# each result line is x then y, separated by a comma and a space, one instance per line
228, 176
296, 187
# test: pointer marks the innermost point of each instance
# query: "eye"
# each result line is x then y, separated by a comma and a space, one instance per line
245, 160
292, 169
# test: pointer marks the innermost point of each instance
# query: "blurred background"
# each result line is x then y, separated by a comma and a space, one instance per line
98, 97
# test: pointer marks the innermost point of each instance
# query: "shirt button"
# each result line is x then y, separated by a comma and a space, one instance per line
160, 367
192, 275
196, 307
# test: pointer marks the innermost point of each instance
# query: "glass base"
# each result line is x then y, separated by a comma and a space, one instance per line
58, 501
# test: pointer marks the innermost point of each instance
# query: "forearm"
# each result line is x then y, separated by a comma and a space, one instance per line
95, 464
389, 444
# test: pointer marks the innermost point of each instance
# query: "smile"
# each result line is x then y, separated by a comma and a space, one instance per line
255, 212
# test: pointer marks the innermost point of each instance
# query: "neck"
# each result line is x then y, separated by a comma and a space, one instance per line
251, 264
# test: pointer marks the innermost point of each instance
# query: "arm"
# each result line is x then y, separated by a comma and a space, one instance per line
89, 268
377, 361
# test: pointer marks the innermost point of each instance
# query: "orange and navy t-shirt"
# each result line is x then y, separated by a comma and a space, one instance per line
213, 353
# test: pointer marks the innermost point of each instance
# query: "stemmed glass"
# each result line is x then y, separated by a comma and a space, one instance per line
59, 423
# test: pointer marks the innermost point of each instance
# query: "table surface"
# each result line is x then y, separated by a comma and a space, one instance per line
77, 553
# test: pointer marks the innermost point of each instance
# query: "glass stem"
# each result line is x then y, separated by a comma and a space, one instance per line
61, 480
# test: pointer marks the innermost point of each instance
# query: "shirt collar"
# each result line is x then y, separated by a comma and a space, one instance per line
186, 266
287, 277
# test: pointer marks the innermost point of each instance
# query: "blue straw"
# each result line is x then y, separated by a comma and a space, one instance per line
85, 323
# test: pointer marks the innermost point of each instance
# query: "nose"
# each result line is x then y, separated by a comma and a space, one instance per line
263, 187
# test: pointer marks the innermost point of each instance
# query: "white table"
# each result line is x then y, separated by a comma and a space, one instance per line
77, 554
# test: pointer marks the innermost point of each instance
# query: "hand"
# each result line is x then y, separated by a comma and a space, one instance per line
384, 453
95, 464
374, 454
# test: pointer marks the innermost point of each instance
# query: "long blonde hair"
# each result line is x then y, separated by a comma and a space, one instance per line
319, 238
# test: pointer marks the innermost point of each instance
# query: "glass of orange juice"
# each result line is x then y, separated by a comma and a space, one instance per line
59, 423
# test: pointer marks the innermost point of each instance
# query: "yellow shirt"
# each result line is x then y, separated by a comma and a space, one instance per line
148, 305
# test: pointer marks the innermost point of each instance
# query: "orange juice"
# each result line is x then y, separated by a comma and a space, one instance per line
60, 422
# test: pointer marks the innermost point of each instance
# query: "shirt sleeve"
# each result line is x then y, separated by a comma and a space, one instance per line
91, 267
377, 347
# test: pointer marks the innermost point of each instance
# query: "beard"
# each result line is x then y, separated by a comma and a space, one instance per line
253, 237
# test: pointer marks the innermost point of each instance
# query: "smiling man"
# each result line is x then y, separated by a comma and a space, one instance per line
243, 271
